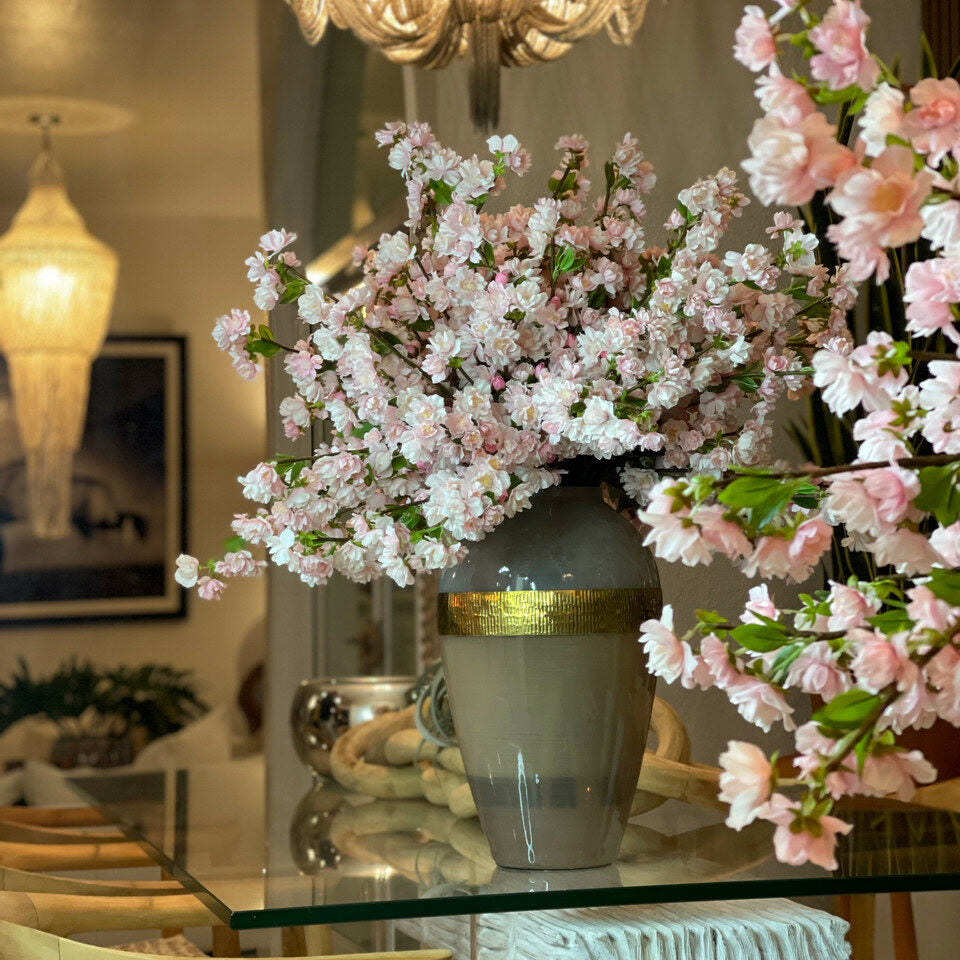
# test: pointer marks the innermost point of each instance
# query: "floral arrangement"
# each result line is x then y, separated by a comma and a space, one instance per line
883, 654
482, 352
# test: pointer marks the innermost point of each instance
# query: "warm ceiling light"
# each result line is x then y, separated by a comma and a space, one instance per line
57, 283
514, 33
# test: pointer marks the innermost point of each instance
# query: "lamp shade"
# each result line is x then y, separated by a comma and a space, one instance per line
57, 284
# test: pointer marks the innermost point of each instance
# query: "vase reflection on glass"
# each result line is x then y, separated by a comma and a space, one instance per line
548, 686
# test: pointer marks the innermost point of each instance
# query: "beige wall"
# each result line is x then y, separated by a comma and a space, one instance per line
159, 294
178, 195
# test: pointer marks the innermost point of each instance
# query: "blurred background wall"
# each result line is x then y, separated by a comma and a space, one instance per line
179, 195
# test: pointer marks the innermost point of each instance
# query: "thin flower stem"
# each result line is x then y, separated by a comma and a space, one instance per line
814, 473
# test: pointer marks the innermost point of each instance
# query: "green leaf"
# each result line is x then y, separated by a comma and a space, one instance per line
361, 431
848, 710
890, 622
442, 191
410, 517
783, 661
807, 496
825, 95
759, 637
266, 348
945, 584
862, 749
928, 59
233, 544
765, 497
293, 291
940, 493
563, 260
710, 618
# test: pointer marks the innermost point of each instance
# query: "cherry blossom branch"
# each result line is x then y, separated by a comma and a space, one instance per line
814, 473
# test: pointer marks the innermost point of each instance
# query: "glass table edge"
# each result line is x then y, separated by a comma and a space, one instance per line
605, 897
190, 884
479, 903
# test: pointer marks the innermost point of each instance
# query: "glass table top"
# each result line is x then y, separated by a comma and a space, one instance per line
350, 857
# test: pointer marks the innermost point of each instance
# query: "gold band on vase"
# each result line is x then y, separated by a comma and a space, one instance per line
528, 613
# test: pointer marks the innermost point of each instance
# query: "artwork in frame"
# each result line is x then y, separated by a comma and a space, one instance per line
129, 497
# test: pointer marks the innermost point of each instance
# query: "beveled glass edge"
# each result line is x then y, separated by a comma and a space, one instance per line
479, 903
190, 884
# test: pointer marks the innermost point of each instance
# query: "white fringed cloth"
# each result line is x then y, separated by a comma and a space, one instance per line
773, 929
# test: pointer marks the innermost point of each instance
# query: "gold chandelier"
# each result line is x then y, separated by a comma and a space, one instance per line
512, 33
57, 283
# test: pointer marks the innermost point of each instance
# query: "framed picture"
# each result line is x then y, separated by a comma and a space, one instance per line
128, 516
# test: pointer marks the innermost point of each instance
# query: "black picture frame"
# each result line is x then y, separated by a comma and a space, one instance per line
129, 519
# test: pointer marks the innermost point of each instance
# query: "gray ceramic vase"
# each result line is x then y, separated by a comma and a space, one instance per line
548, 686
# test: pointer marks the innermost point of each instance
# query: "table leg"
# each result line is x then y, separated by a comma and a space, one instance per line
904, 931
315, 940
862, 925
226, 942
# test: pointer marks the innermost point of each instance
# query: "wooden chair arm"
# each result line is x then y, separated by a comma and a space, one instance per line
27, 833
53, 816
73, 856
67, 914
24, 943
22, 881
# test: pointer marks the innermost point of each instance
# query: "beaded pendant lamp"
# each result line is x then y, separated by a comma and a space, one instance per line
57, 283
493, 33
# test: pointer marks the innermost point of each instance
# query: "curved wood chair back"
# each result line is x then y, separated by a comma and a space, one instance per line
66, 914
27, 833
53, 816
22, 881
22, 943
92, 855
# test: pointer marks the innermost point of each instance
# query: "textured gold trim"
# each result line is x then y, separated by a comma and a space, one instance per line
525, 613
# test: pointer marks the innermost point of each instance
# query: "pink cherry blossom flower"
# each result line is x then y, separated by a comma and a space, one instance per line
880, 437
755, 47
275, 240
880, 206
759, 603
760, 703
188, 569
745, 782
716, 659
933, 125
790, 162
720, 534
943, 674
932, 287
897, 773
892, 490
941, 226
809, 543
882, 117
816, 671
929, 612
946, 541
209, 588
667, 656
843, 60
849, 607
783, 98
879, 662
794, 843
908, 551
